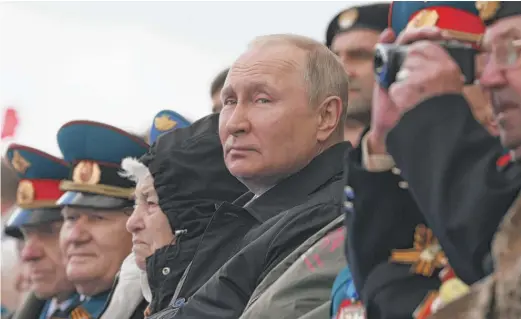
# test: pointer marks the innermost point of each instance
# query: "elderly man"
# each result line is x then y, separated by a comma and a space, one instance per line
38, 222
499, 296
179, 184
392, 281
352, 35
281, 128
10, 254
463, 190
450, 163
96, 207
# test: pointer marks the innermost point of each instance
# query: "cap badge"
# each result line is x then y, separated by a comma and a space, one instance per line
86, 172
164, 123
424, 18
24, 193
347, 18
19, 163
488, 9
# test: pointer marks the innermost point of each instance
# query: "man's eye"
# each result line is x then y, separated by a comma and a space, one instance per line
229, 102
262, 101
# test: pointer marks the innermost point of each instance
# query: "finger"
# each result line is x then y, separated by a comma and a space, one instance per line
414, 62
404, 95
428, 50
387, 36
413, 35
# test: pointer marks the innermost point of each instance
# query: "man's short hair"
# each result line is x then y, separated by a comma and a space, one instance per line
324, 72
218, 82
9, 182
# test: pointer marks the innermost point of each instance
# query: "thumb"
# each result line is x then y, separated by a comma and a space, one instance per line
387, 36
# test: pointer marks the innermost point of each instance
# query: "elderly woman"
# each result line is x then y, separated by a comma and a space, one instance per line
180, 182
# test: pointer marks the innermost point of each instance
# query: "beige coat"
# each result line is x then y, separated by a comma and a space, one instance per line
499, 295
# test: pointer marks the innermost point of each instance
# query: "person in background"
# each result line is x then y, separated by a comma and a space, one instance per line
166, 121
499, 295
95, 208
11, 296
352, 35
37, 222
215, 90
427, 126
180, 181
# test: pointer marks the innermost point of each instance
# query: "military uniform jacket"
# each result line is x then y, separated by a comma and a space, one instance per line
498, 295
286, 215
383, 217
449, 162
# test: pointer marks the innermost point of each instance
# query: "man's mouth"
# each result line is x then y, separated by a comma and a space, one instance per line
501, 108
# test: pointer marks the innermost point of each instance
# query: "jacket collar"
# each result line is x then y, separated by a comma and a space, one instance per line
294, 189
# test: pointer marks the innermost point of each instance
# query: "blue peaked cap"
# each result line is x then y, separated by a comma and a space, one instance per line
166, 121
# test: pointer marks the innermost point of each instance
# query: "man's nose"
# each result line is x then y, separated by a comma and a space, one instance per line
350, 70
237, 122
76, 233
492, 76
135, 222
32, 249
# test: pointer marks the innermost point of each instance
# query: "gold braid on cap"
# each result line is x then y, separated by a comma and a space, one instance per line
107, 190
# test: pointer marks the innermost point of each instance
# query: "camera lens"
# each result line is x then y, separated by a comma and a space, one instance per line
380, 58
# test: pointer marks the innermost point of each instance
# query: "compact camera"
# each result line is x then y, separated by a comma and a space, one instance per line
388, 59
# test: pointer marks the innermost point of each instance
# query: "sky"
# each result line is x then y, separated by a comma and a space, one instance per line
121, 62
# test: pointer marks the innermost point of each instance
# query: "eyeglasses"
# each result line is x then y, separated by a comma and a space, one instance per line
505, 52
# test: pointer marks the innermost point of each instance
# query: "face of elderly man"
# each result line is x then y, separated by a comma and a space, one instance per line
501, 77
94, 244
268, 127
42, 256
148, 224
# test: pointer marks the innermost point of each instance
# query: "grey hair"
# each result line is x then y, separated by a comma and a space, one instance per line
323, 72
133, 169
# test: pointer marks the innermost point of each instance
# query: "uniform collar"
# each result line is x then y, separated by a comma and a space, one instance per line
296, 188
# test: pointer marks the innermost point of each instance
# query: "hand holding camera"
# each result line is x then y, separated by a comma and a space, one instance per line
426, 70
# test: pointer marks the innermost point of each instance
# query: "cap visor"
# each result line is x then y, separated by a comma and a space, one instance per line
30, 217
94, 201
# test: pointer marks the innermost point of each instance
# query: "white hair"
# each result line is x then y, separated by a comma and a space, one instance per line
323, 72
134, 170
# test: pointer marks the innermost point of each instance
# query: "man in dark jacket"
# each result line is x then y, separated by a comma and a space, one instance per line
281, 128
448, 164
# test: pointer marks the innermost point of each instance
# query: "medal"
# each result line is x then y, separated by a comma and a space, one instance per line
351, 309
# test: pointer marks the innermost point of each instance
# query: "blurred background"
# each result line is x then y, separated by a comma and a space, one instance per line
121, 62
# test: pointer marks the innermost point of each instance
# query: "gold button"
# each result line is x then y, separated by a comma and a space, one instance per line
396, 171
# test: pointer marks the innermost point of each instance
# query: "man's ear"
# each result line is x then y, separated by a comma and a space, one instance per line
329, 115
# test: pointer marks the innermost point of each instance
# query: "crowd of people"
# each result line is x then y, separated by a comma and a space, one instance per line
374, 176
